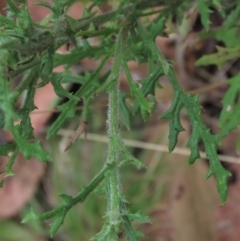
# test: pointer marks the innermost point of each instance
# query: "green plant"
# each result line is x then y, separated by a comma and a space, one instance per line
29, 49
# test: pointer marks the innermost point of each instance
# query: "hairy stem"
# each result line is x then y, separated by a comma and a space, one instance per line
112, 178
81, 197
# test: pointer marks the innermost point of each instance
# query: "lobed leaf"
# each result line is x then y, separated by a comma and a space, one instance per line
229, 100
145, 106
8, 23
216, 168
59, 90
157, 28
7, 148
193, 144
128, 158
67, 112
29, 149
173, 115
13, 7
219, 58
203, 7
232, 123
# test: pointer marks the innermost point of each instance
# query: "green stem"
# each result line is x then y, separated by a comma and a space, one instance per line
113, 186
59, 37
112, 178
81, 197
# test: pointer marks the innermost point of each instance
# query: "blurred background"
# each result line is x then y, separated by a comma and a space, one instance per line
181, 205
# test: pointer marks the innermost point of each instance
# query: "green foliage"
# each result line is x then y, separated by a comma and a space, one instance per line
29, 49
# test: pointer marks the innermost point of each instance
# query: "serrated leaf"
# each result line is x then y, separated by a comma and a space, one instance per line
209, 173
67, 111
68, 77
232, 18
216, 168
77, 55
7, 22
13, 7
148, 86
7, 148
157, 28
59, 90
219, 58
204, 12
90, 86
131, 234
173, 115
145, 106
229, 100
46, 5
193, 143
232, 123
29, 149
128, 158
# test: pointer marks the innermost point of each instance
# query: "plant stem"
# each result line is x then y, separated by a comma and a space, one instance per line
113, 186
81, 197
112, 178
59, 37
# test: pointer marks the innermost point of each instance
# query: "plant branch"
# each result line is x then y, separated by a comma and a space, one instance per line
58, 35
81, 197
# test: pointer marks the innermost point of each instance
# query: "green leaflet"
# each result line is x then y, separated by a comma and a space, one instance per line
29, 149
193, 144
151, 47
219, 58
67, 112
128, 158
136, 92
78, 54
7, 148
148, 85
216, 168
132, 235
46, 67
157, 28
229, 36
173, 115
13, 7
200, 132
59, 90
229, 100
137, 217
68, 109
7, 22
47, 5
232, 123
203, 7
